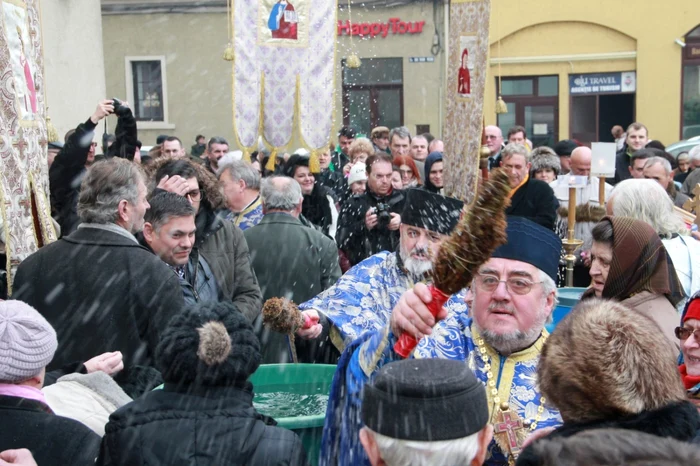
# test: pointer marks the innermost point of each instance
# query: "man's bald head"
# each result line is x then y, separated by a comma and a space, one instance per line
281, 194
494, 138
581, 158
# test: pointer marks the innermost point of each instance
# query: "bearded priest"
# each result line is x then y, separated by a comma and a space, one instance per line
511, 299
362, 300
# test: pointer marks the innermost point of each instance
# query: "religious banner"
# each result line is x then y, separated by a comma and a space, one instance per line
283, 72
25, 212
466, 81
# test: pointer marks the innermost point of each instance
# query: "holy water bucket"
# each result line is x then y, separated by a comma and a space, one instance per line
568, 299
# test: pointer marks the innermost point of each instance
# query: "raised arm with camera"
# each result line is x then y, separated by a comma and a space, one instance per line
68, 167
126, 134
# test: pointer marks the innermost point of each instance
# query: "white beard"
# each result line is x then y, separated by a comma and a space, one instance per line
417, 268
509, 343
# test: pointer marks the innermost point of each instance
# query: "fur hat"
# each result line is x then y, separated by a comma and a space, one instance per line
27, 341
605, 361
542, 159
209, 344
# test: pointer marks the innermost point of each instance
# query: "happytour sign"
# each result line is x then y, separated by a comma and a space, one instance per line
380, 29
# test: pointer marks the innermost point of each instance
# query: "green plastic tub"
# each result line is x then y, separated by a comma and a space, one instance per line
299, 379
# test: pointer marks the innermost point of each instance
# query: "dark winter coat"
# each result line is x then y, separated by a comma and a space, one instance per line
304, 263
66, 174
622, 166
126, 136
535, 201
339, 160
218, 426
319, 208
52, 439
223, 246
199, 284
353, 237
102, 292
336, 182
679, 421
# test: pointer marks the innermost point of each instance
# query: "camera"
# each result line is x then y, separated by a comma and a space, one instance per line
119, 108
383, 214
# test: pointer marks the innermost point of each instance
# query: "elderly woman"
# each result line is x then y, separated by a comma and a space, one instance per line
604, 366
545, 164
629, 264
689, 335
647, 201
410, 177
681, 172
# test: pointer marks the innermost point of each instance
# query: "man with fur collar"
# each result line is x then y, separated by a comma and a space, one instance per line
500, 340
361, 301
589, 210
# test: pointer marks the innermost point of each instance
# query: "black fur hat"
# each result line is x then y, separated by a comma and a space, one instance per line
208, 344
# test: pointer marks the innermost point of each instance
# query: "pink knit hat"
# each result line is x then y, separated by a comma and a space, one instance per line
27, 341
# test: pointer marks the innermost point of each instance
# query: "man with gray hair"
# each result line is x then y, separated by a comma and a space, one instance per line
694, 177
530, 198
241, 183
659, 170
399, 141
291, 261
98, 287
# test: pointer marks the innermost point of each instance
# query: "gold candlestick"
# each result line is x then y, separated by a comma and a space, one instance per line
601, 190
571, 244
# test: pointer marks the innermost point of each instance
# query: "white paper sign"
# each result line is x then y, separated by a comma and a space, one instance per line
603, 161
539, 129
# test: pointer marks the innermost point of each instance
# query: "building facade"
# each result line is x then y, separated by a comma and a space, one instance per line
566, 69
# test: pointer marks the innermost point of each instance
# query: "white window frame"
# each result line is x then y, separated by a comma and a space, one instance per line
128, 60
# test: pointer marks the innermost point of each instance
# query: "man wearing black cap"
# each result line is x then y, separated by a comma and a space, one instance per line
425, 411
363, 298
500, 340
564, 149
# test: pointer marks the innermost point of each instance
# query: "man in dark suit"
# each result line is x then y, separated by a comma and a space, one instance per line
98, 287
529, 198
291, 261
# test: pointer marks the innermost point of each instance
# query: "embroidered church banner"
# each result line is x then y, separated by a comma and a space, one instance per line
25, 212
466, 81
283, 72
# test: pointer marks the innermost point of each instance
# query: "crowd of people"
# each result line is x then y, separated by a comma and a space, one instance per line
131, 340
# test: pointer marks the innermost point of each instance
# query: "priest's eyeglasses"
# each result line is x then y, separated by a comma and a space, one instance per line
517, 285
683, 333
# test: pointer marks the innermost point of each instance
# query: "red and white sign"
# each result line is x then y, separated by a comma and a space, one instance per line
377, 29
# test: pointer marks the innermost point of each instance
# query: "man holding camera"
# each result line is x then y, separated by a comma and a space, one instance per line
78, 153
369, 223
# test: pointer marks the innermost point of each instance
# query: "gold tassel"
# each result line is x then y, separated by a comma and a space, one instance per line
51, 132
314, 162
501, 106
228, 52
272, 161
246, 155
353, 61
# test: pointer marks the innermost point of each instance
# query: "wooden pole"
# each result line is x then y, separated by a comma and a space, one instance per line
601, 190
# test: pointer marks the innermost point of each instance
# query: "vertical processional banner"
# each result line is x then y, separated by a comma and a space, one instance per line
25, 212
283, 72
467, 67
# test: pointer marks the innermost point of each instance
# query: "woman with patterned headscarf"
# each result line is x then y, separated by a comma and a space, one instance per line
629, 264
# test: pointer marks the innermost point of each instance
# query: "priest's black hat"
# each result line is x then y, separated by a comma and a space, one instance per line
532, 243
431, 211
425, 400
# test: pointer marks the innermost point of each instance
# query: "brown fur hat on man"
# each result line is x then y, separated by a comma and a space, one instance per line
604, 361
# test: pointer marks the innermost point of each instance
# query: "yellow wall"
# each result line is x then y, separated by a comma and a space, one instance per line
556, 27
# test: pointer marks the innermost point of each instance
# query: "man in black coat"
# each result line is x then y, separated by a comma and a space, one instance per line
304, 261
637, 138
98, 287
530, 198
369, 223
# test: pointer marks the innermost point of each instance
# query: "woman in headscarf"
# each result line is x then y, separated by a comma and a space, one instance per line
434, 173
629, 264
689, 335
319, 206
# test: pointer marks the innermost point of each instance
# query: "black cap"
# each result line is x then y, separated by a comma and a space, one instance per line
531, 243
434, 212
565, 147
425, 400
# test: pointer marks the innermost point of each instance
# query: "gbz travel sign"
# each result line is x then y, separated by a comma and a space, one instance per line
603, 83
